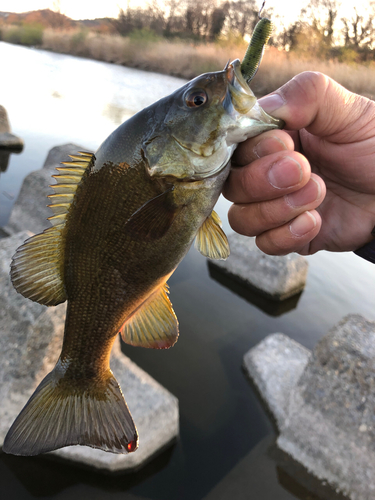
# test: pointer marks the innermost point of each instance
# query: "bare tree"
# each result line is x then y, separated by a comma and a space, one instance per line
322, 15
242, 16
359, 29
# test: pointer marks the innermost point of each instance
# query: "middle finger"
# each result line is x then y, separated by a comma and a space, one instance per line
268, 178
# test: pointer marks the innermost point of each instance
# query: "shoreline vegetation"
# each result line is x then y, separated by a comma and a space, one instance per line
143, 49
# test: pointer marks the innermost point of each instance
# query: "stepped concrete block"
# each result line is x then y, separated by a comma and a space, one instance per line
275, 385
275, 277
30, 344
7, 139
30, 210
324, 402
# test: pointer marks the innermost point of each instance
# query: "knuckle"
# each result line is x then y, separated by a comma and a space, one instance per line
270, 214
240, 221
310, 84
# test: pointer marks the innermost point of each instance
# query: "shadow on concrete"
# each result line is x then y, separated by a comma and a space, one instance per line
253, 295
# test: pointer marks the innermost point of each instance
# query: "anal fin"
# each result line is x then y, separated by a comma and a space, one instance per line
211, 240
154, 323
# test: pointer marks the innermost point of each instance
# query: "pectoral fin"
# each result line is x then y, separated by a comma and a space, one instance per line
211, 240
154, 324
154, 218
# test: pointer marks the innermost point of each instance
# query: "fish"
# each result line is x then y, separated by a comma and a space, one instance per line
123, 220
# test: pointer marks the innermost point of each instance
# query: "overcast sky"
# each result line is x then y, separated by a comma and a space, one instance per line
90, 9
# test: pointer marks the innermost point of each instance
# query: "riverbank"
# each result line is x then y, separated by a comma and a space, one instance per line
187, 60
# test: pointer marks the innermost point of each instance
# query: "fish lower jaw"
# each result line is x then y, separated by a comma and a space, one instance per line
256, 127
200, 150
208, 165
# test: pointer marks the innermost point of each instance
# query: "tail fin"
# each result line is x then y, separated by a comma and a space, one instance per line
61, 413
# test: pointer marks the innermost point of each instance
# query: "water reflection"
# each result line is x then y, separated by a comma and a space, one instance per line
47, 476
296, 479
270, 307
5, 157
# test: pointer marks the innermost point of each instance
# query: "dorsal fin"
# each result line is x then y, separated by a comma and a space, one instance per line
154, 324
211, 240
37, 269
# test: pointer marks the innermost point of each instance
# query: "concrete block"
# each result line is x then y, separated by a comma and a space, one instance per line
274, 365
7, 139
324, 402
30, 210
275, 277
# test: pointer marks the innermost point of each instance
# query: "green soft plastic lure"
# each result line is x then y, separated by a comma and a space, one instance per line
253, 57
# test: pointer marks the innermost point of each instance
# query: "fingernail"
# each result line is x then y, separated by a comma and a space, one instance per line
303, 224
285, 173
271, 102
306, 195
268, 146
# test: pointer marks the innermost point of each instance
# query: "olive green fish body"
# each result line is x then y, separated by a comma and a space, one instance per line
114, 269
124, 219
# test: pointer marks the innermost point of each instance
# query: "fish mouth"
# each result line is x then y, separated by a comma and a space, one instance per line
241, 104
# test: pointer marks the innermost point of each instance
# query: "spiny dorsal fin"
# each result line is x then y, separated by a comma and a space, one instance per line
154, 324
37, 270
211, 240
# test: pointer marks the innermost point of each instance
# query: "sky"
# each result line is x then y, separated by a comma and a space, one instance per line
90, 9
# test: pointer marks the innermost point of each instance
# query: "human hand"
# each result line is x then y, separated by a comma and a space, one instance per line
312, 188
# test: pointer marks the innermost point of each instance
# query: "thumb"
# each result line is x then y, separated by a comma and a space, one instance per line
323, 107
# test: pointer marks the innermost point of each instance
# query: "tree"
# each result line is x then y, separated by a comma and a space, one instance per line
322, 15
217, 22
359, 29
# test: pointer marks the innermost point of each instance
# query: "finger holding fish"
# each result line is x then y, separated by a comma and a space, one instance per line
253, 219
268, 178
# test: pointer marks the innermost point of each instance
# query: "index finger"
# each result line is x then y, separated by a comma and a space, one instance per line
323, 107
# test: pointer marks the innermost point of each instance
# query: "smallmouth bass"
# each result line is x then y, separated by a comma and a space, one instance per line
123, 220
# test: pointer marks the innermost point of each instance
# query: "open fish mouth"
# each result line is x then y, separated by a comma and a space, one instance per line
241, 105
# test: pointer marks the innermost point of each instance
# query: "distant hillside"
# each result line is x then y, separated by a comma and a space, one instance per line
51, 19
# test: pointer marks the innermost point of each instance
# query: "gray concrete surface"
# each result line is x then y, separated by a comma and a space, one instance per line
30, 210
324, 402
7, 139
275, 277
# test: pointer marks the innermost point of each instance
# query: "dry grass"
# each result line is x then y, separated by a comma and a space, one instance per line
187, 60
174, 58
279, 67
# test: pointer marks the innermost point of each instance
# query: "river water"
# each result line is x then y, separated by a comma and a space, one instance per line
53, 99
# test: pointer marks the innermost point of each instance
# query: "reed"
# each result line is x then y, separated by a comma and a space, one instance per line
187, 60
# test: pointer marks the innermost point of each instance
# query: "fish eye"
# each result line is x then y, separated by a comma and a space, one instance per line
196, 98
